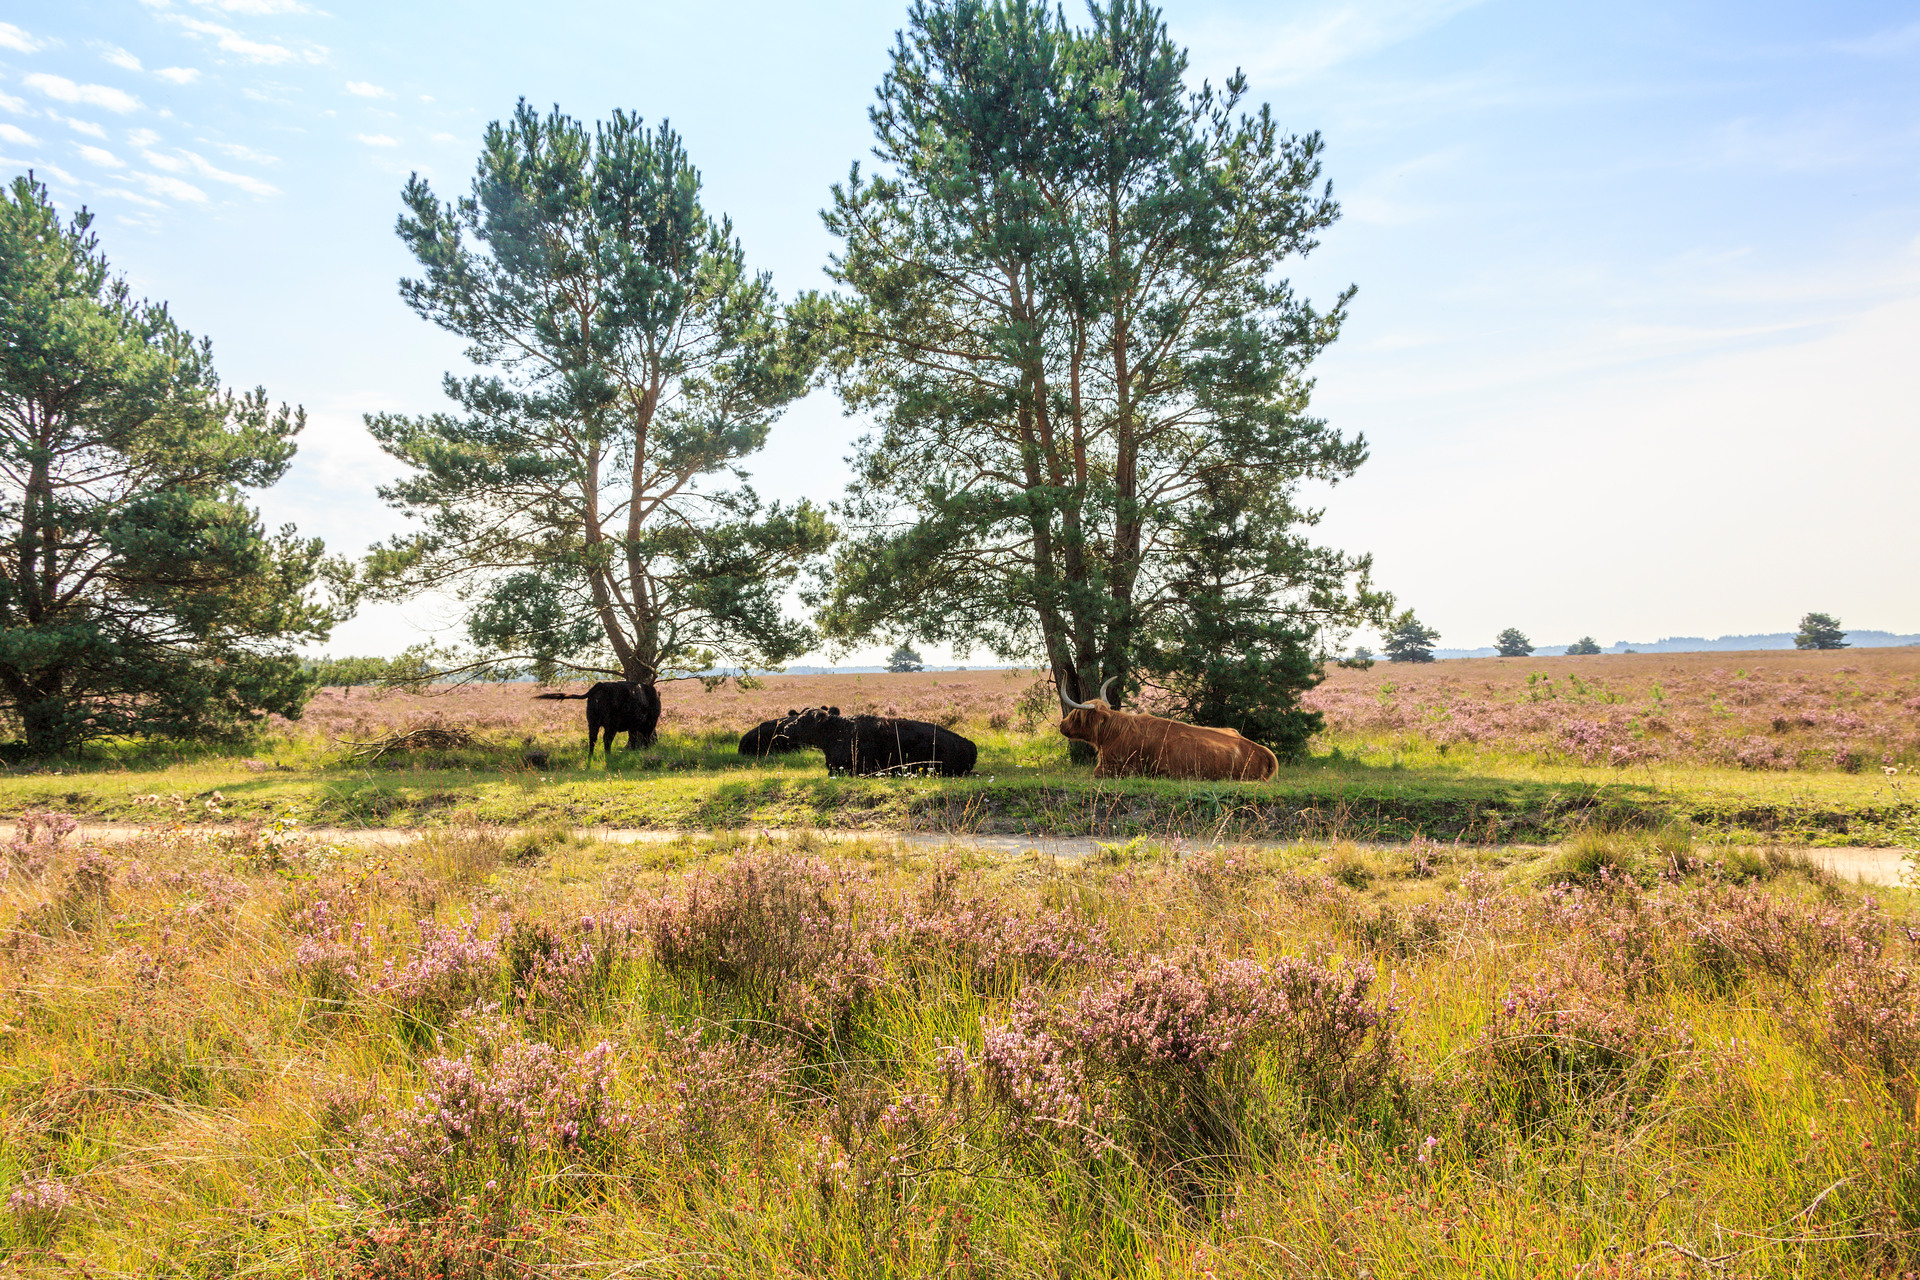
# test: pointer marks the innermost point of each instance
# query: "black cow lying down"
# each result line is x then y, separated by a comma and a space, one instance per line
617, 706
882, 744
770, 737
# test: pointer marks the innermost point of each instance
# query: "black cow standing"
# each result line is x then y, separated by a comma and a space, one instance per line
882, 744
617, 706
771, 737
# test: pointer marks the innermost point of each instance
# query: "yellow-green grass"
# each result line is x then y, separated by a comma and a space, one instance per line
1024, 783
166, 1062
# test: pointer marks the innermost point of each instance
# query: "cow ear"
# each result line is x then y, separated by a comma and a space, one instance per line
833, 711
792, 712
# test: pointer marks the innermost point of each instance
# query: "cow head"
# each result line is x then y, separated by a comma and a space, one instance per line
1085, 720
805, 727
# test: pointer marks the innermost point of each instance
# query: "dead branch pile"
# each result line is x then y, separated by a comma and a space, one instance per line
432, 738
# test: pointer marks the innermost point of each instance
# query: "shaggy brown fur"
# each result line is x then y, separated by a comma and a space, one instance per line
1132, 744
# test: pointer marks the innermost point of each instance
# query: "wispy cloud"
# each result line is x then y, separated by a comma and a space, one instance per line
248, 154
184, 161
179, 75
1323, 36
1882, 44
230, 41
12, 37
102, 157
121, 58
362, 89
134, 196
255, 8
87, 127
17, 136
94, 95
142, 137
171, 188
16, 105
377, 139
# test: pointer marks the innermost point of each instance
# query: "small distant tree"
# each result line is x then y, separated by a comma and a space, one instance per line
1513, 643
904, 659
1820, 631
1582, 647
1409, 641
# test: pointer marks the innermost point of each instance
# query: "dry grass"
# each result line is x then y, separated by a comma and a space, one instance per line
483, 1057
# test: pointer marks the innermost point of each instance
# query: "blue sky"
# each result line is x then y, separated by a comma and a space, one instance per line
1637, 342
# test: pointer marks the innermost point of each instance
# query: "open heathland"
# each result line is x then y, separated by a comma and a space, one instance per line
495, 754
246, 1054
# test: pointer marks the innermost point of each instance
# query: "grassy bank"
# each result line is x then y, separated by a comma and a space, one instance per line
242, 1056
1024, 784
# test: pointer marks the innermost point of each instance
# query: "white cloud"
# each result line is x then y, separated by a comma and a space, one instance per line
102, 157
444, 137
377, 139
159, 160
94, 95
134, 196
246, 182
87, 127
16, 105
255, 8
12, 37
231, 41
1882, 44
142, 137
121, 58
1322, 37
239, 152
173, 188
17, 136
361, 89
179, 75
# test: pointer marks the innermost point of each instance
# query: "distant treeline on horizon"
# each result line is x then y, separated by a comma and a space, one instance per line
1699, 644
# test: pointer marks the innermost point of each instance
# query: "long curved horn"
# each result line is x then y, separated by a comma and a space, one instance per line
1103, 687
1066, 703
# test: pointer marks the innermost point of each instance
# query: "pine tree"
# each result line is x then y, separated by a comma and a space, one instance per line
140, 595
904, 659
1065, 315
1820, 631
1582, 647
1409, 641
577, 501
1513, 643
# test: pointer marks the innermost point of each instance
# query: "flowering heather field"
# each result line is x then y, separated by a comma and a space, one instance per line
484, 1057
949, 698
1848, 710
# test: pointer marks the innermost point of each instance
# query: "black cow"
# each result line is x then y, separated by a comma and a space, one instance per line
618, 706
883, 744
770, 737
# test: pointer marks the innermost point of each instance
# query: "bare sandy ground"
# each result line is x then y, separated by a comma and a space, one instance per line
1865, 866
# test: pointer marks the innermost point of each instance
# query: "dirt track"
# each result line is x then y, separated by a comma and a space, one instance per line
1866, 866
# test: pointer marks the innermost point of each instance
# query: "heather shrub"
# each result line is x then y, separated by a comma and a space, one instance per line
450, 969
464, 1242
487, 1117
993, 944
1575, 1039
568, 973
1871, 1016
330, 954
781, 935
721, 1091
37, 1207
1195, 1060
39, 839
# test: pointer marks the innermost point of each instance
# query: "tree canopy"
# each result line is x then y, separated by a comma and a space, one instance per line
904, 659
1820, 631
1513, 643
141, 594
1583, 647
587, 500
1064, 312
1409, 640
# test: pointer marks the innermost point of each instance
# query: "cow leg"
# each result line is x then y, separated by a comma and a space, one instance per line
593, 736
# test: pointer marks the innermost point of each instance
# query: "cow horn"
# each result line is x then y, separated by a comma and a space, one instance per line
1066, 703
1103, 686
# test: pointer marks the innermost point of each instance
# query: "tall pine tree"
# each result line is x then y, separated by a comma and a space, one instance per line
1064, 312
140, 593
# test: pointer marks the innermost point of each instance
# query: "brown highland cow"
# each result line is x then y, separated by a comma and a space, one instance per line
1132, 744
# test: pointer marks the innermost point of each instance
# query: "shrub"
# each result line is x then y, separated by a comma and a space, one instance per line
38, 1205
1584, 646
451, 969
484, 1119
1872, 1016
778, 932
461, 1243
1163, 1063
568, 973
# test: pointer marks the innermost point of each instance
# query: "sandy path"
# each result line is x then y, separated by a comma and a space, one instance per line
1866, 866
